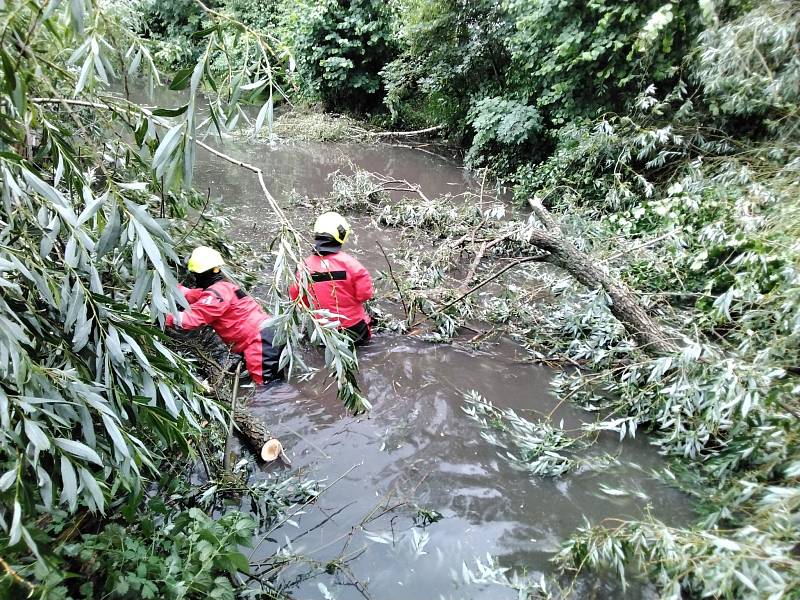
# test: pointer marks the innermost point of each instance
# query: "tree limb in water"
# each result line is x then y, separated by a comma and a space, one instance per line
394, 279
404, 133
625, 304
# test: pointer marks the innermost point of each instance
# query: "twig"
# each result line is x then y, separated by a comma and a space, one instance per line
387, 181
260, 174
327, 519
204, 461
396, 284
421, 149
16, 577
226, 458
403, 133
199, 217
480, 285
301, 507
305, 439
788, 408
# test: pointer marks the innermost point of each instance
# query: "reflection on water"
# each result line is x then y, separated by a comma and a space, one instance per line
417, 446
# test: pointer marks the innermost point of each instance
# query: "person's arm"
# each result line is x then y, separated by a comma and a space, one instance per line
362, 282
192, 295
204, 311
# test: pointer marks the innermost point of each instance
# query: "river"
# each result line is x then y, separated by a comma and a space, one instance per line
417, 448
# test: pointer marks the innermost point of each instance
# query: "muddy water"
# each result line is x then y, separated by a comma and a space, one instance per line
417, 449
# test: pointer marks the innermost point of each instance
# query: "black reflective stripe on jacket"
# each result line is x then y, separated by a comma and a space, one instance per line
320, 276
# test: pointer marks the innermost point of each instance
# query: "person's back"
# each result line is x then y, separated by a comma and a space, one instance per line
338, 282
236, 317
242, 314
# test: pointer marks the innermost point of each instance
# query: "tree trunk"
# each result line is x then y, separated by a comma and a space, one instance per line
625, 305
253, 429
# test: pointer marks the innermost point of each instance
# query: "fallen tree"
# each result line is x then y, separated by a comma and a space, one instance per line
471, 230
222, 369
587, 270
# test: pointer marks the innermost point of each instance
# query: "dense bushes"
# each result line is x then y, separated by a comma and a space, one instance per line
454, 52
172, 23
341, 48
567, 60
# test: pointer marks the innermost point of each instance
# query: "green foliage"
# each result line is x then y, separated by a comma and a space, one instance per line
539, 448
749, 563
261, 15
663, 135
90, 394
473, 66
171, 26
708, 204
578, 58
94, 215
764, 80
507, 124
341, 48
453, 54
184, 555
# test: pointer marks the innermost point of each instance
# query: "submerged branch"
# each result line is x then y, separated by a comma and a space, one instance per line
478, 286
394, 279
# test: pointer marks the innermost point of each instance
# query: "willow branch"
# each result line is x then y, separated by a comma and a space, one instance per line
394, 279
478, 286
403, 133
16, 577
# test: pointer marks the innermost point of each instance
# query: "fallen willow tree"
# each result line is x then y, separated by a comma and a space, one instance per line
484, 232
680, 305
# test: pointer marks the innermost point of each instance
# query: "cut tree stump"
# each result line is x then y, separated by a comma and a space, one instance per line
255, 433
253, 430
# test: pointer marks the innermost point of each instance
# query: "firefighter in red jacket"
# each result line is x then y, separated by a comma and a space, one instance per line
338, 282
236, 317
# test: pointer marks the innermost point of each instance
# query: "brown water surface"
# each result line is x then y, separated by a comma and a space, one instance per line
417, 445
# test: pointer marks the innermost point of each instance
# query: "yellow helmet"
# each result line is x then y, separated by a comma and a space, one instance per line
204, 259
334, 225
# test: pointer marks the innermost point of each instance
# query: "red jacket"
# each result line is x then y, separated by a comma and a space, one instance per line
340, 284
235, 316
